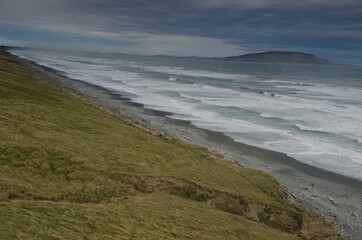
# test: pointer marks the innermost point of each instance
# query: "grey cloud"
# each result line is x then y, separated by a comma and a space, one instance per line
213, 18
253, 25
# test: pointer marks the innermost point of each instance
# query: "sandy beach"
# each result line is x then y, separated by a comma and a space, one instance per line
333, 196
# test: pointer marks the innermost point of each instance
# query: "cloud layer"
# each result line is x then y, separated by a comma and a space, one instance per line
329, 28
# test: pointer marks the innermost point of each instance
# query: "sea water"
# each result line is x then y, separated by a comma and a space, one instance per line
312, 113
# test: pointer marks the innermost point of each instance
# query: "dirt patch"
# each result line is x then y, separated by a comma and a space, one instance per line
306, 227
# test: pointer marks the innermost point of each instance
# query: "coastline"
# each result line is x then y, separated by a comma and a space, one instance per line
305, 185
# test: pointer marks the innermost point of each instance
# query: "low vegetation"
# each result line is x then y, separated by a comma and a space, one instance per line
71, 170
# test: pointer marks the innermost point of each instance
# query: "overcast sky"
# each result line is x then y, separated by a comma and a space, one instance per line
330, 29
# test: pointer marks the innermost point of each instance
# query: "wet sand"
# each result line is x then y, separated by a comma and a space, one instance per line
333, 196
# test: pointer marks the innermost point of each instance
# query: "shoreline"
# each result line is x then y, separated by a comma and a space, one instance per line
305, 185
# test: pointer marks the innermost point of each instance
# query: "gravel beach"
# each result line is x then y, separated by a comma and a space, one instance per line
333, 196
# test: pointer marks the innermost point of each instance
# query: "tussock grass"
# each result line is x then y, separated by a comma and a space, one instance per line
59, 156
154, 216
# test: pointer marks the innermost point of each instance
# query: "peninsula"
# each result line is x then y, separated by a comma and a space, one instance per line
280, 57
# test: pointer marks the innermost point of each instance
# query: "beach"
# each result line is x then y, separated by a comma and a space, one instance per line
333, 196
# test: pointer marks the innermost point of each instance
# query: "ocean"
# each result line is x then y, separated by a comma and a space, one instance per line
312, 113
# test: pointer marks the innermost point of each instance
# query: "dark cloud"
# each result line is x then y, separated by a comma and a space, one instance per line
242, 25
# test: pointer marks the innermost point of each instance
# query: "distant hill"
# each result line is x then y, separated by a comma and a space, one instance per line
280, 57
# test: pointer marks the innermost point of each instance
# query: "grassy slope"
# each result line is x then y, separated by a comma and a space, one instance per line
53, 143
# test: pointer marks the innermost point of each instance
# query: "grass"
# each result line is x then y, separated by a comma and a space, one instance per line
154, 216
54, 144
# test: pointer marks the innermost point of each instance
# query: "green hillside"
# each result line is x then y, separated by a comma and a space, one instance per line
72, 170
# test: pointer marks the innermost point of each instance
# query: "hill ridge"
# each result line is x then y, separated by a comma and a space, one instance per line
280, 57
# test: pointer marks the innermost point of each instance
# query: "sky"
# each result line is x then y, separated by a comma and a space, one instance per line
330, 29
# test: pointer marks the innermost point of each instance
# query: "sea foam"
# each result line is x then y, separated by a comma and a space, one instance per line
312, 118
